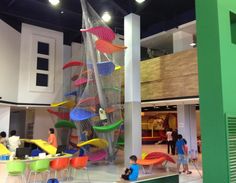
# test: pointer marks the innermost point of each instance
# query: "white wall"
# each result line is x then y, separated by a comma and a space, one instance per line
25, 94
182, 41
5, 118
42, 122
9, 62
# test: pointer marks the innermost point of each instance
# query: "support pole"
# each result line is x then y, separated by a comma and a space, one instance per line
133, 136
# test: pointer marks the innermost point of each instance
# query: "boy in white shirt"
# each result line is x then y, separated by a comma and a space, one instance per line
13, 141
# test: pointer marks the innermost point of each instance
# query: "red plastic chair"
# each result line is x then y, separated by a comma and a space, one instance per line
80, 163
60, 164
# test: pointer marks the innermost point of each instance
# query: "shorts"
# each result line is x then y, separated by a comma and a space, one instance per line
182, 159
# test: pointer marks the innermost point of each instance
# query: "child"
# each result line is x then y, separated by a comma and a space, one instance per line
3, 139
132, 172
185, 165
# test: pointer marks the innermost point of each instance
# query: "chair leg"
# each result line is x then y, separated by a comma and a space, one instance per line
48, 176
29, 176
87, 174
35, 176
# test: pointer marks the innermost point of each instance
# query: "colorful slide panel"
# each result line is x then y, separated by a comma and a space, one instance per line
61, 115
107, 47
101, 32
97, 156
43, 145
156, 155
68, 103
78, 114
89, 100
73, 63
82, 81
117, 67
99, 143
72, 93
64, 124
4, 150
106, 88
110, 109
108, 128
105, 68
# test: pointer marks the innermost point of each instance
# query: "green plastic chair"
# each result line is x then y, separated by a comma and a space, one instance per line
39, 167
16, 168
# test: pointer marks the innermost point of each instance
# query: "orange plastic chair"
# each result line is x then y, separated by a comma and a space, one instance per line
60, 164
80, 163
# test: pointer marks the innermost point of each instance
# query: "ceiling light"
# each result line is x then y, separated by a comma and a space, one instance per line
62, 12
54, 2
139, 1
192, 44
106, 16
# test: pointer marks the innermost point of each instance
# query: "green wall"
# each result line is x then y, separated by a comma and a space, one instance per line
217, 82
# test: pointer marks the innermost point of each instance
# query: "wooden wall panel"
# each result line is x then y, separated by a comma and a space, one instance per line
170, 76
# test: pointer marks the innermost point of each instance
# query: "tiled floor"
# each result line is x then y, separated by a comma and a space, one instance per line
106, 173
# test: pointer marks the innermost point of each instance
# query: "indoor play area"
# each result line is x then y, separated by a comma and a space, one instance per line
99, 90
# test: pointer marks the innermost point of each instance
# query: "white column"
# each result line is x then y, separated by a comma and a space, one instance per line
187, 126
182, 41
5, 118
133, 139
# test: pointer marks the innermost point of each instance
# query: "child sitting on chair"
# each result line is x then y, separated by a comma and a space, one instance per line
132, 172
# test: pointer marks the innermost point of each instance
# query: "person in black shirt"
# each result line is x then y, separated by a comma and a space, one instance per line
174, 140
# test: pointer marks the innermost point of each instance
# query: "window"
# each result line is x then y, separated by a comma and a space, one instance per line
42, 68
42, 64
233, 27
42, 80
43, 48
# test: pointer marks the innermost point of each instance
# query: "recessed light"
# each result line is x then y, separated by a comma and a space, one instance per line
54, 2
106, 16
192, 44
139, 1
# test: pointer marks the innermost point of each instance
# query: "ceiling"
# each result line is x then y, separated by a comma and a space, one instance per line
156, 15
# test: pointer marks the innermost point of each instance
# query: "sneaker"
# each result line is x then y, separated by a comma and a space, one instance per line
189, 172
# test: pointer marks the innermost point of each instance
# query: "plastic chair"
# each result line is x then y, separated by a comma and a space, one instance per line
80, 163
39, 167
16, 168
60, 164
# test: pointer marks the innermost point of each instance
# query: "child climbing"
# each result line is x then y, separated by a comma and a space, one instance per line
132, 172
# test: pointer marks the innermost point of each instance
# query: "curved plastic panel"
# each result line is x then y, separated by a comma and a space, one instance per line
61, 115
93, 100
72, 93
73, 63
105, 68
82, 81
64, 124
108, 128
107, 47
107, 88
97, 156
78, 114
66, 103
101, 32
155, 155
100, 143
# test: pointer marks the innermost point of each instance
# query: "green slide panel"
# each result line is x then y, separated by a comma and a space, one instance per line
64, 124
115, 89
108, 128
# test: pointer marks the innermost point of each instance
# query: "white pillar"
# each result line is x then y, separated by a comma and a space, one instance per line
182, 41
133, 138
5, 118
187, 126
